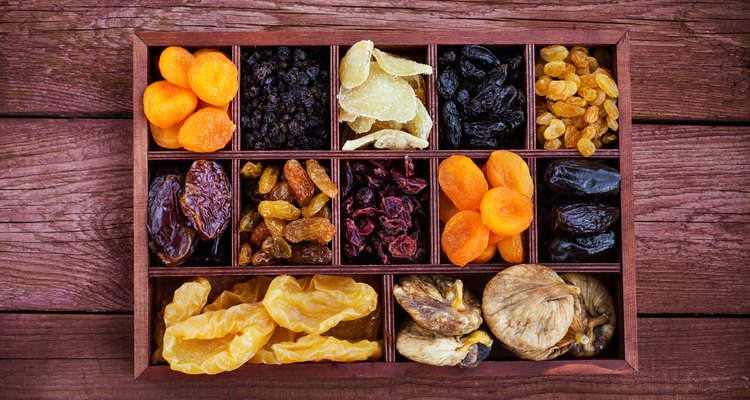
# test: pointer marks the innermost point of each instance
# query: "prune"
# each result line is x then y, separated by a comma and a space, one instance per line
310, 254
583, 178
451, 124
206, 200
447, 83
579, 218
481, 54
170, 236
581, 249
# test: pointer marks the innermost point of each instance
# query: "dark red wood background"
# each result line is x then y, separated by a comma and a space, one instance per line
66, 197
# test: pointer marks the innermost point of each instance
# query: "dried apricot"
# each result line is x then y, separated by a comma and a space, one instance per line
174, 63
166, 104
507, 169
487, 254
506, 211
202, 104
511, 249
200, 52
446, 208
462, 181
465, 237
167, 138
206, 130
214, 78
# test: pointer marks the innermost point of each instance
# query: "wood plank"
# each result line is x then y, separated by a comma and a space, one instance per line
66, 217
669, 367
673, 44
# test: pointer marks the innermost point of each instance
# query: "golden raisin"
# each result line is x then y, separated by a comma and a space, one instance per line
320, 177
300, 184
586, 147
608, 85
318, 202
278, 209
268, 179
251, 170
314, 229
555, 129
275, 226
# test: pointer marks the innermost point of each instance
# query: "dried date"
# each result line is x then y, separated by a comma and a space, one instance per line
206, 199
170, 236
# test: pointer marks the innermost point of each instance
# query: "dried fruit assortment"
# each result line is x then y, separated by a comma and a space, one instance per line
383, 101
482, 100
540, 315
189, 108
582, 212
476, 218
443, 328
285, 99
187, 219
286, 216
275, 321
576, 105
384, 212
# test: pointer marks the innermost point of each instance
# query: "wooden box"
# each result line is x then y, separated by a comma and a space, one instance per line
152, 283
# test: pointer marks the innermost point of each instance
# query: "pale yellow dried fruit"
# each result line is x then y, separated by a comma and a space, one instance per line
380, 125
421, 125
417, 83
398, 139
397, 66
382, 96
345, 116
355, 66
361, 124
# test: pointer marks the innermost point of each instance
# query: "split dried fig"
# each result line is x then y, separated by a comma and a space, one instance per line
600, 310
424, 346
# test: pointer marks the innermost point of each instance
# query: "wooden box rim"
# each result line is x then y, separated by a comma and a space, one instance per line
529, 38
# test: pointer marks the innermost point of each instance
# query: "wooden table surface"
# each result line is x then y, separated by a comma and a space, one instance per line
66, 199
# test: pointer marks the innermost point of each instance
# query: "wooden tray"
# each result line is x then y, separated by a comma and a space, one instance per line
152, 283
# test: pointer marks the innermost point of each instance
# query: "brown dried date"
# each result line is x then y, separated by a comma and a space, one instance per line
170, 236
206, 200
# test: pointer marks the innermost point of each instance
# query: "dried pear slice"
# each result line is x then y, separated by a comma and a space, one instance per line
361, 124
413, 141
382, 96
397, 66
345, 116
421, 125
355, 66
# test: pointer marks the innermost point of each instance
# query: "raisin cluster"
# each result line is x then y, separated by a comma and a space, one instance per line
285, 99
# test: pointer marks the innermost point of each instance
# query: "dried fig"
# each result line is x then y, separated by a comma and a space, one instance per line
600, 310
424, 346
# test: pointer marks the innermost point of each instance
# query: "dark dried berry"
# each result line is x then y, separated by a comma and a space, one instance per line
581, 249
447, 57
470, 71
451, 126
447, 83
481, 54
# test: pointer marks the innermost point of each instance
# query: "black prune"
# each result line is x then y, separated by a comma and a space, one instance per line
583, 178
170, 236
582, 218
481, 54
206, 200
451, 134
447, 83
581, 249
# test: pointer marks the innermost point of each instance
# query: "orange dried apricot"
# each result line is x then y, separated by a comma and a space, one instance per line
487, 254
166, 104
214, 78
207, 51
464, 238
446, 208
174, 63
507, 169
506, 211
167, 138
494, 237
202, 104
207, 130
511, 249
462, 181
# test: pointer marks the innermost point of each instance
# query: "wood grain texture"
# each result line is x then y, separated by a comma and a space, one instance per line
96, 365
673, 44
66, 217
